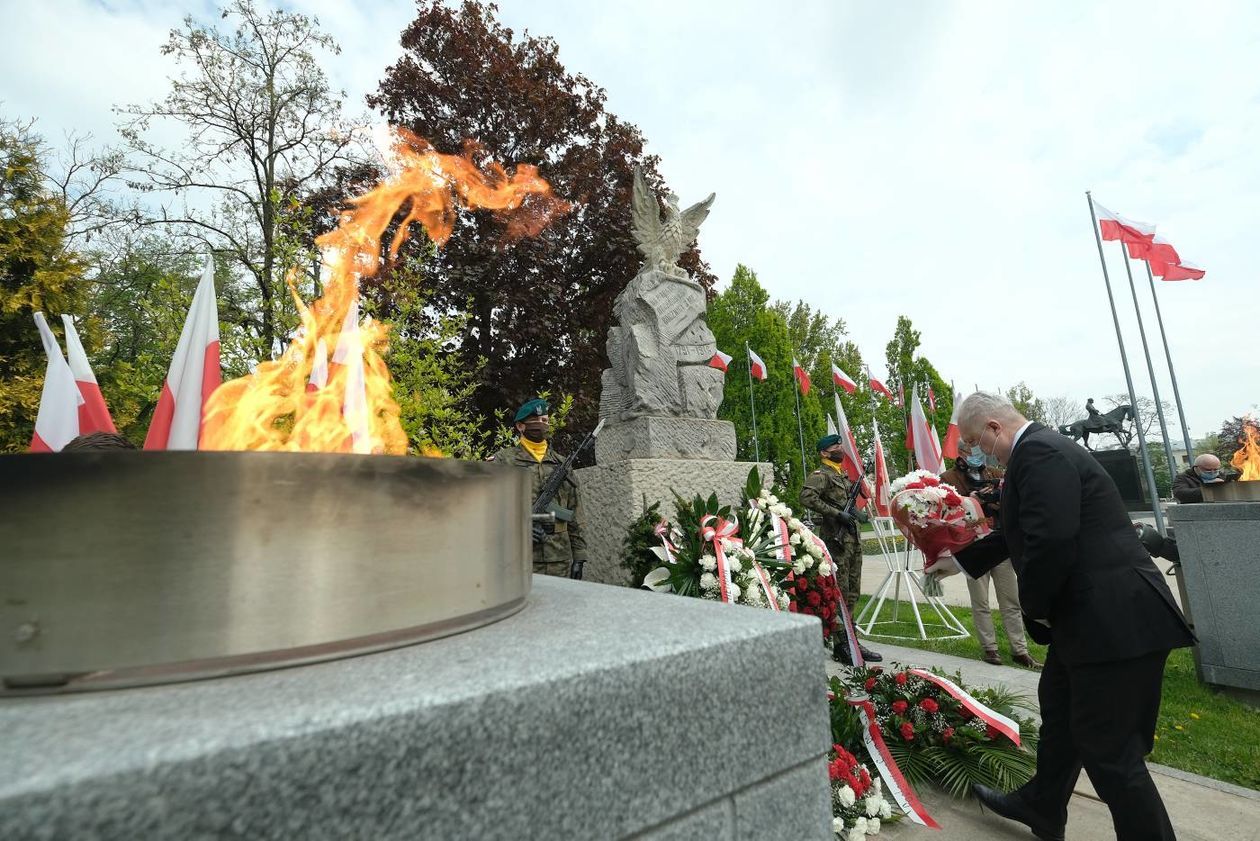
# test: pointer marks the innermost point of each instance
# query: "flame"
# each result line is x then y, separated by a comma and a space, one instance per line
1247, 459
305, 401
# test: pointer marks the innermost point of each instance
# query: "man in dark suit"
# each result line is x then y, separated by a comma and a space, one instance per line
1091, 592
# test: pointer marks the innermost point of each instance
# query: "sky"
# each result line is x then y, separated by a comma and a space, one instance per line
927, 159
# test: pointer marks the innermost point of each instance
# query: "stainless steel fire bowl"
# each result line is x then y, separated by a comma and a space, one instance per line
126, 568
1232, 492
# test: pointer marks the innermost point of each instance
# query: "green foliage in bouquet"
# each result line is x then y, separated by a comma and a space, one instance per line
637, 557
931, 736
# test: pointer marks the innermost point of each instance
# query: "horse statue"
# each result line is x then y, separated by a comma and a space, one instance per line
1101, 424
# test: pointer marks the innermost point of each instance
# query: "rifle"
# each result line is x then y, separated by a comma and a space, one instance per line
545, 509
855, 490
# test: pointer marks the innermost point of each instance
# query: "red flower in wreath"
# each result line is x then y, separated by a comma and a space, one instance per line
948, 733
967, 715
901, 678
900, 707
907, 731
870, 684
915, 486
952, 499
792, 607
814, 598
801, 585
928, 705
931, 481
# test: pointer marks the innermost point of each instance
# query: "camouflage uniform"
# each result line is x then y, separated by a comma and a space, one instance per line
564, 542
825, 492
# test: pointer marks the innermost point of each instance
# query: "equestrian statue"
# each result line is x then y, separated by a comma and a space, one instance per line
1101, 423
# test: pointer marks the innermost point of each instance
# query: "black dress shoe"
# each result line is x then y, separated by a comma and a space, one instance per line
1013, 807
840, 652
870, 656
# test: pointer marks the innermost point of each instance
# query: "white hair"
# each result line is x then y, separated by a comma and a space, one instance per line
982, 406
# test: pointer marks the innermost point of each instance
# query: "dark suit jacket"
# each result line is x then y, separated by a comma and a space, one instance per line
1079, 562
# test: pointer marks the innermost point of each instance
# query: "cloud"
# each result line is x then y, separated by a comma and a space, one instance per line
873, 159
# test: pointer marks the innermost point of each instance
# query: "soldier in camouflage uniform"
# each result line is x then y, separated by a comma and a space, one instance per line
825, 493
562, 544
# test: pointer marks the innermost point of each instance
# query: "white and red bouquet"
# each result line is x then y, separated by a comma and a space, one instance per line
810, 582
934, 515
857, 803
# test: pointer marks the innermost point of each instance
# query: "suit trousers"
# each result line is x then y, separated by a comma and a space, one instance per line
1007, 587
1101, 716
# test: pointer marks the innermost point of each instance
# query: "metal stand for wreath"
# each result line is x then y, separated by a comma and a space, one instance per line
902, 572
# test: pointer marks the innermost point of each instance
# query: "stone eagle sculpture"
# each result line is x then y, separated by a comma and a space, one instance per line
663, 241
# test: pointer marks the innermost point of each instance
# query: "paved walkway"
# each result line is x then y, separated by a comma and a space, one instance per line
1201, 809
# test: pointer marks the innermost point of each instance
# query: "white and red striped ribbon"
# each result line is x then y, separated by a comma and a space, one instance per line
764, 581
850, 631
662, 531
902, 794
714, 529
996, 720
783, 551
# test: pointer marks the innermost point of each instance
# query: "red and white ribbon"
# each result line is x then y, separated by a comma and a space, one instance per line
662, 531
850, 631
764, 581
714, 529
996, 720
783, 549
902, 794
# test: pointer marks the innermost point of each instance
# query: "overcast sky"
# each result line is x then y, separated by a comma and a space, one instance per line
873, 159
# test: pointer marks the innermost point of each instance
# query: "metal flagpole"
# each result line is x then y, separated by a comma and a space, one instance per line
753, 403
1146, 349
1181, 412
1128, 377
800, 430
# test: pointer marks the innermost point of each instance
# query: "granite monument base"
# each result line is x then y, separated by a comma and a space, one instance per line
1122, 467
613, 497
595, 712
666, 437
1218, 544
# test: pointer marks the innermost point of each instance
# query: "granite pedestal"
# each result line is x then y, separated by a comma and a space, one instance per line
613, 496
1219, 543
596, 712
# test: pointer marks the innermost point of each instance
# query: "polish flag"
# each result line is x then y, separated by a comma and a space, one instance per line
354, 407
1179, 271
950, 449
1114, 226
1158, 250
57, 423
802, 378
319, 368
755, 364
852, 458
93, 413
193, 376
931, 400
901, 395
926, 453
880, 388
883, 494
720, 360
842, 380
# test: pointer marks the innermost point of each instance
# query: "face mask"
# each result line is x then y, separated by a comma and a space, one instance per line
977, 458
1208, 475
535, 431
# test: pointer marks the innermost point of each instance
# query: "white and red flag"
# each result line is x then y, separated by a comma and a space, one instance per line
93, 413
926, 453
1157, 250
931, 400
57, 423
880, 388
950, 448
883, 485
901, 395
720, 360
842, 380
1180, 271
193, 376
852, 457
354, 408
319, 368
756, 366
802, 376
1114, 226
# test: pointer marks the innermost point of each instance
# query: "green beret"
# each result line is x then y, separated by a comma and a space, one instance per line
827, 441
537, 406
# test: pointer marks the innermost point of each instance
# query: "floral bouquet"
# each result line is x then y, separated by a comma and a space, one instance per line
810, 584
934, 516
703, 554
857, 804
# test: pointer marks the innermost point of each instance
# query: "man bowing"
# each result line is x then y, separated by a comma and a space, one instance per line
1091, 592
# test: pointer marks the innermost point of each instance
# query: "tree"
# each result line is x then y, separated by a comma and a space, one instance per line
1230, 438
37, 274
1029, 406
1060, 411
538, 311
262, 129
1146, 411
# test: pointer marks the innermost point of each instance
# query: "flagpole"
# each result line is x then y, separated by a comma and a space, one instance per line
1128, 377
800, 430
1181, 412
753, 403
1150, 367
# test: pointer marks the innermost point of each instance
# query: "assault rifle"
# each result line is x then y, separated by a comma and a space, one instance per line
859, 488
546, 511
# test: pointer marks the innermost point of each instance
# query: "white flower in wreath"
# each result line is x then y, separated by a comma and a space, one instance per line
798, 565
783, 600
812, 547
824, 568
795, 524
795, 539
708, 563
708, 581
885, 810
871, 804
747, 554
858, 832
780, 510
837, 826
872, 826
734, 563
846, 796
735, 592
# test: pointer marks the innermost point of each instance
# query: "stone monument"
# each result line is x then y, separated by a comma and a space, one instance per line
660, 395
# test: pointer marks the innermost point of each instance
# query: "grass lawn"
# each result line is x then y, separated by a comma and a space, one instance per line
1199, 730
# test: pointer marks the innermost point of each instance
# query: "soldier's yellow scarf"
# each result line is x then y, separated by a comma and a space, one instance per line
834, 465
538, 451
